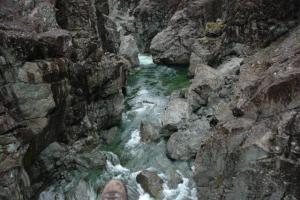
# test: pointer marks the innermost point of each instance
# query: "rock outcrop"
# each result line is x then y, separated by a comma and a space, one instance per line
256, 154
247, 97
198, 25
173, 44
61, 79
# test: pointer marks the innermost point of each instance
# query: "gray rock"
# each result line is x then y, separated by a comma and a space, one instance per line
176, 112
231, 66
174, 179
173, 44
149, 132
110, 135
183, 145
259, 149
129, 48
26, 94
52, 154
30, 73
151, 183
206, 81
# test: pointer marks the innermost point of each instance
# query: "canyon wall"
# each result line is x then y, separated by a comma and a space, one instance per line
61, 80
63, 70
240, 114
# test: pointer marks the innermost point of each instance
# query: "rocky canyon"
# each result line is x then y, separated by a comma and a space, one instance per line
179, 99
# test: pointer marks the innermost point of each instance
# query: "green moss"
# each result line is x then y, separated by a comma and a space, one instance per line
214, 26
219, 181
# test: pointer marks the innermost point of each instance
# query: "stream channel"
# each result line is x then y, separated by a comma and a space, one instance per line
148, 91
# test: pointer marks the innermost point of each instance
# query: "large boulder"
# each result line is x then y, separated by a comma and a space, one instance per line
176, 112
184, 144
151, 183
206, 81
149, 132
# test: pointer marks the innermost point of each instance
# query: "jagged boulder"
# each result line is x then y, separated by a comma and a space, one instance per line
151, 183
149, 132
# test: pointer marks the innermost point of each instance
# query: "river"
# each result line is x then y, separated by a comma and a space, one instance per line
148, 90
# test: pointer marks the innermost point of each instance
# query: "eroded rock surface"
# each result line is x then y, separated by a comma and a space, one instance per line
61, 80
151, 183
252, 156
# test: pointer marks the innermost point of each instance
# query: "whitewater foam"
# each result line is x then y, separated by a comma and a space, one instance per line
116, 168
134, 140
145, 59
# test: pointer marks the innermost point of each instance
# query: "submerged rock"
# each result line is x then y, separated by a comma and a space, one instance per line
151, 183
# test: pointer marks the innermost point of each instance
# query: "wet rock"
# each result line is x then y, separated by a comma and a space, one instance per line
176, 112
149, 132
151, 183
174, 179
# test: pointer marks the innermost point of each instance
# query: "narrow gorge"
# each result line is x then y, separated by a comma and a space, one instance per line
178, 99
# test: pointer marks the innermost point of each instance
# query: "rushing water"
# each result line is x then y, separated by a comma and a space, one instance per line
149, 86
147, 95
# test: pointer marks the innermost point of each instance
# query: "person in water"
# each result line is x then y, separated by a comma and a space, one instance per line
114, 190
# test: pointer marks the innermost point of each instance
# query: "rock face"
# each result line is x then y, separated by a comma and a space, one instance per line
64, 65
173, 44
129, 48
248, 99
253, 155
196, 23
61, 79
151, 183
151, 17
